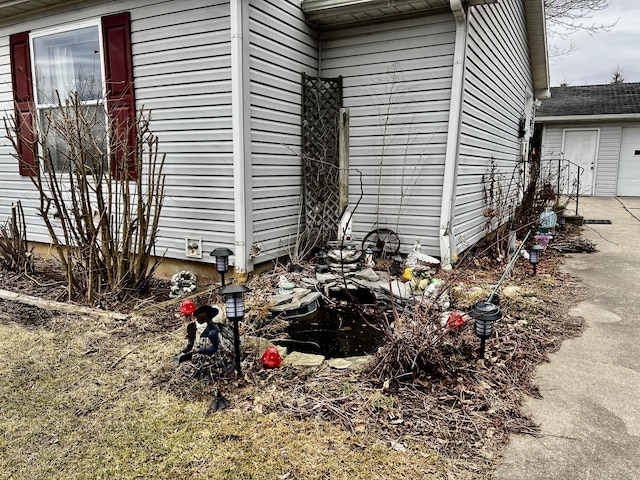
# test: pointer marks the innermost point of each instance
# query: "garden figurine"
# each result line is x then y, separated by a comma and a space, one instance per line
202, 333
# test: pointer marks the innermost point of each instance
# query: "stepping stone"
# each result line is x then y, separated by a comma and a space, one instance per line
303, 359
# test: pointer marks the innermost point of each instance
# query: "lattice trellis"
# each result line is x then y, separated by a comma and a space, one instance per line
321, 100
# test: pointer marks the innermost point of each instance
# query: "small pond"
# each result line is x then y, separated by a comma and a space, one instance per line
336, 331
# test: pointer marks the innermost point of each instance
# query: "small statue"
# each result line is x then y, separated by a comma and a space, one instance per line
204, 330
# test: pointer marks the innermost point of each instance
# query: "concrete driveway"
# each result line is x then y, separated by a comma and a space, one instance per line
590, 413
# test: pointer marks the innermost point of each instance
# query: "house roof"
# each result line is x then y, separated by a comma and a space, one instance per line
590, 102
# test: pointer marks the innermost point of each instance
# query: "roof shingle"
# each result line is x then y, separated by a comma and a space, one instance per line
610, 99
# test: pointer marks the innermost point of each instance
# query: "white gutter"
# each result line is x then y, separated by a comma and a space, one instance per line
241, 132
447, 238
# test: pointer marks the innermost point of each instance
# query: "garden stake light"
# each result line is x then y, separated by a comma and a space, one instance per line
322, 266
396, 268
484, 314
222, 261
233, 295
534, 256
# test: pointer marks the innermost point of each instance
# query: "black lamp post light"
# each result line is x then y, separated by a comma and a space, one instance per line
234, 297
222, 261
396, 268
322, 266
484, 314
534, 256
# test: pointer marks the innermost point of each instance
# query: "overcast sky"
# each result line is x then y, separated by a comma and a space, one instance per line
597, 56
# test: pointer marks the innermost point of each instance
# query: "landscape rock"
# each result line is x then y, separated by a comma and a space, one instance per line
303, 359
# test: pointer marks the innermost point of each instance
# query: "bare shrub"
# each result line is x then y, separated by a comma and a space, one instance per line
101, 213
14, 250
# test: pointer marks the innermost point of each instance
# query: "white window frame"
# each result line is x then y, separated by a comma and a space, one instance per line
38, 107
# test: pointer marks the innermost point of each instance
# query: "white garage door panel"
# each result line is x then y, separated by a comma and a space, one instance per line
629, 168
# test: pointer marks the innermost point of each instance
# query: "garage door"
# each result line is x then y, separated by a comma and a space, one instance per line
629, 168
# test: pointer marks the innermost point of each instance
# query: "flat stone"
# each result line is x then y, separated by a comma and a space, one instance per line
359, 360
303, 359
348, 362
300, 292
283, 307
343, 267
310, 297
367, 274
346, 256
374, 285
339, 363
325, 277
280, 298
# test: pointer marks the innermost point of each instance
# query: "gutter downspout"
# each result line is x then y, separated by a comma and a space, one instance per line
447, 237
241, 134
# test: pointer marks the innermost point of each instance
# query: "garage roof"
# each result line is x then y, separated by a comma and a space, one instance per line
588, 102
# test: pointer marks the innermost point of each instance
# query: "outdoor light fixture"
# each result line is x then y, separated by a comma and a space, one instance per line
233, 295
396, 268
534, 256
548, 219
222, 261
563, 222
484, 314
322, 266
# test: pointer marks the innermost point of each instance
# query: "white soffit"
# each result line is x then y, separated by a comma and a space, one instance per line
336, 12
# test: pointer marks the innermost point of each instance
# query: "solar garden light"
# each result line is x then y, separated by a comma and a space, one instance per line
322, 266
534, 256
233, 295
222, 261
396, 268
563, 222
484, 314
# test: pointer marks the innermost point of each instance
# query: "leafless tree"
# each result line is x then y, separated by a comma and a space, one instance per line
565, 17
618, 75
568, 16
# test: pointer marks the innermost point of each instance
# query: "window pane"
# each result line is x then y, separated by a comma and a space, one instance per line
75, 139
67, 62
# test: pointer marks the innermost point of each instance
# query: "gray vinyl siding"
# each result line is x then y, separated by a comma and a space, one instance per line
182, 71
282, 47
608, 155
396, 84
498, 79
181, 59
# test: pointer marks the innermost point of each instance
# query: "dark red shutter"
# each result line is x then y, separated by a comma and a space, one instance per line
121, 102
23, 101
